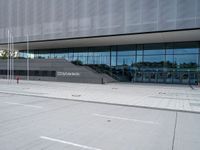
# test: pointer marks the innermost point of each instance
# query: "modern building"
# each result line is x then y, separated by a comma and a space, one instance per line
155, 41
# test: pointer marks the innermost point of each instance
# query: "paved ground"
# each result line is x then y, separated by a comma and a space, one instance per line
35, 123
162, 96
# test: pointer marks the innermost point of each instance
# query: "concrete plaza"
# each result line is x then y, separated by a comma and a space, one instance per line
36, 123
160, 96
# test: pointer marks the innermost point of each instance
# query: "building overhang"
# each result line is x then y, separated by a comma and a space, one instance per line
158, 37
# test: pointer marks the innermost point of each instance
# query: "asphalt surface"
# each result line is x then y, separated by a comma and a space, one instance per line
34, 123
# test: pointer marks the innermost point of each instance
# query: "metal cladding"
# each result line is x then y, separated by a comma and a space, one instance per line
58, 19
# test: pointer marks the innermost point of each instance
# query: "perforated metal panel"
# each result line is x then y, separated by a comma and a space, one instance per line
57, 19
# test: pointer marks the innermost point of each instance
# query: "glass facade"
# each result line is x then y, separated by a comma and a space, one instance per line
155, 63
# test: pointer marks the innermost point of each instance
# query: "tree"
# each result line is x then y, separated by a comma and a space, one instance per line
4, 54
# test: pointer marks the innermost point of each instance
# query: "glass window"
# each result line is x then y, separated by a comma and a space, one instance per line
71, 55
154, 49
186, 48
99, 55
125, 55
154, 52
139, 50
81, 60
139, 58
52, 54
21, 54
126, 50
66, 54
154, 58
126, 60
59, 55
169, 49
90, 57
24, 54
155, 61
80, 55
169, 63
186, 61
114, 56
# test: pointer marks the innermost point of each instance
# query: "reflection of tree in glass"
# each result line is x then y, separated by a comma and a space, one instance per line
188, 65
163, 64
77, 62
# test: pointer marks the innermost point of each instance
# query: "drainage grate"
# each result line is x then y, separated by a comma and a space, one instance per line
195, 104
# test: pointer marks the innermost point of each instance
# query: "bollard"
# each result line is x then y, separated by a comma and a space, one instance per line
17, 80
102, 81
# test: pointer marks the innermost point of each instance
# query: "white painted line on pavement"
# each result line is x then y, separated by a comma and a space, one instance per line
25, 105
69, 143
126, 119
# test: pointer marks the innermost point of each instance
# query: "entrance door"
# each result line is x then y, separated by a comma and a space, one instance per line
176, 77
193, 78
184, 76
161, 77
138, 76
146, 77
169, 77
153, 77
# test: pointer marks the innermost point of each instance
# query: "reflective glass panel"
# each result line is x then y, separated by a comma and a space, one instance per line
186, 48
186, 61
154, 49
126, 50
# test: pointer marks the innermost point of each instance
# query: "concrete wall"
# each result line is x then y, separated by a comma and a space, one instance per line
68, 71
58, 19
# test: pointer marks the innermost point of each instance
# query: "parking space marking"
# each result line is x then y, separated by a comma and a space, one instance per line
25, 105
69, 143
125, 119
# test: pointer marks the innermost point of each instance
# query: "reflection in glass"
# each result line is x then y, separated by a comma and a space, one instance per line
166, 63
186, 48
186, 61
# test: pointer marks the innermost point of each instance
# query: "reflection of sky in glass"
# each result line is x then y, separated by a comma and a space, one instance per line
125, 60
170, 58
140, 52
139, 59
169, 51
186, 51
154, 58
126, 53
90, 60
154, 52
113, 60
178, 53
180, 59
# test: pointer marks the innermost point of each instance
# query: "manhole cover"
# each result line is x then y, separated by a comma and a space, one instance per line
161, 93
76, 95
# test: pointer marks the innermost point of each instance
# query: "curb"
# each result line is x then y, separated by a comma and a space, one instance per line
105, 103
